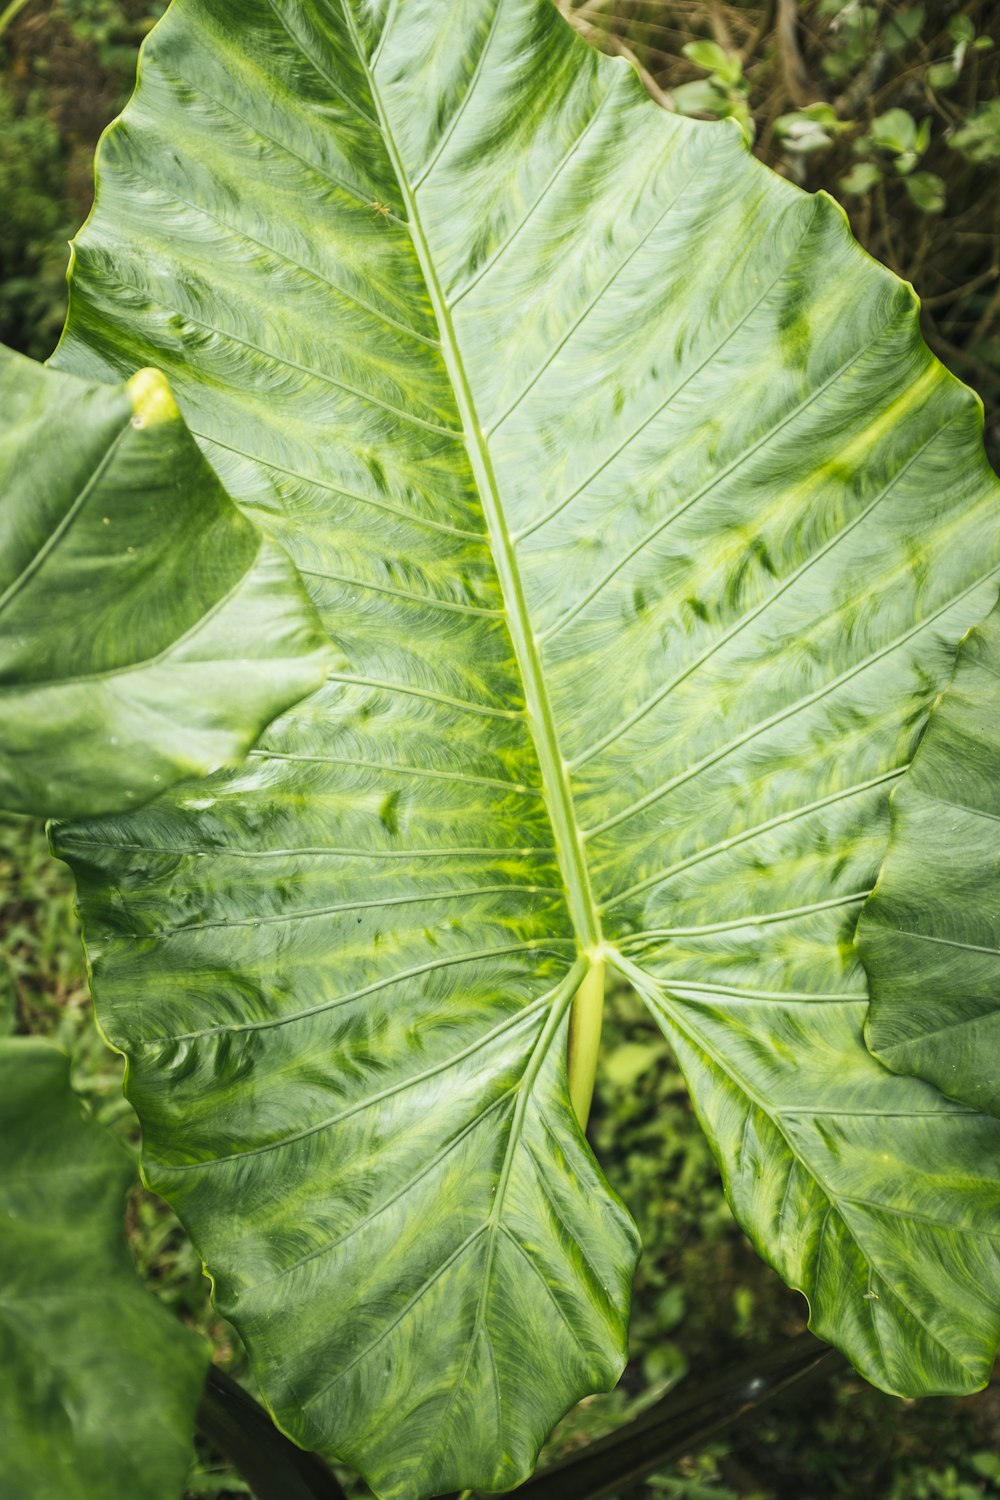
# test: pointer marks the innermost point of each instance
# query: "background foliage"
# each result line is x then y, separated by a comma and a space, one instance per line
893, 109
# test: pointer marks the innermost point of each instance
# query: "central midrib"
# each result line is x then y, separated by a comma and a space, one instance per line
554, 771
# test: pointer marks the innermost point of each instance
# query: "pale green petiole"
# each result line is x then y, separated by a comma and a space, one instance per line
585, 1037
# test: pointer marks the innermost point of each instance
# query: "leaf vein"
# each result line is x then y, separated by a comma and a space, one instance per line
533, 945
745, 836
747, 619
741, 458
467, 705
430, 772
322, 484
563, 162
428, 601
728, 336
371, 1100
791, 710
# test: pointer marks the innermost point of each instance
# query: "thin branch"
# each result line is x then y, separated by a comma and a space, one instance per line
945, 299
680, 1423
609, 41
720, 30
797, 83
759, 33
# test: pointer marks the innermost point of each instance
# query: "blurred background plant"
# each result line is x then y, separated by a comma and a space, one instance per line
893, 109
66, 69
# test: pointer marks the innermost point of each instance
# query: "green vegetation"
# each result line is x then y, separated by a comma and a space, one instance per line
67, 1279
702, 1297
825, 86
66, 69
130, 579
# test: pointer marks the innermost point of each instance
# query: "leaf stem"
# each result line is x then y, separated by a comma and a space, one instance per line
270, 1462
585, 1038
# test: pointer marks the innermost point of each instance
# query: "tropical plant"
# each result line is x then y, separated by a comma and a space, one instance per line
646, 526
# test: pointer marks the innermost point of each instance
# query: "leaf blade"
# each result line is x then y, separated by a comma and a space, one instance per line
74, 1360
825, 1189
650, 521
149, 632
928, 934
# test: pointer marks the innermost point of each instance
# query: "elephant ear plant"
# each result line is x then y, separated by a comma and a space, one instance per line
645, 527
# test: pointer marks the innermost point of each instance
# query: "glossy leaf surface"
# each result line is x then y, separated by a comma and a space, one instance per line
147, 630
647, 526
98, 1383
930, 935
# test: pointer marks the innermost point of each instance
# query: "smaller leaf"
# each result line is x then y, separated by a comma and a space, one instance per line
801, 135
929, 935
979, 137
860, 179
987, 1465
895, 131
927, 191
903, 27
701, 98
824, 114
148, 630
626, 1064
942, 76
98, 1383
714, 59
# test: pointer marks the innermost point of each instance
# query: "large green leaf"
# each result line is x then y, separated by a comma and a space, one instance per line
147, 630
647, 525
98, 1383
929, 936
